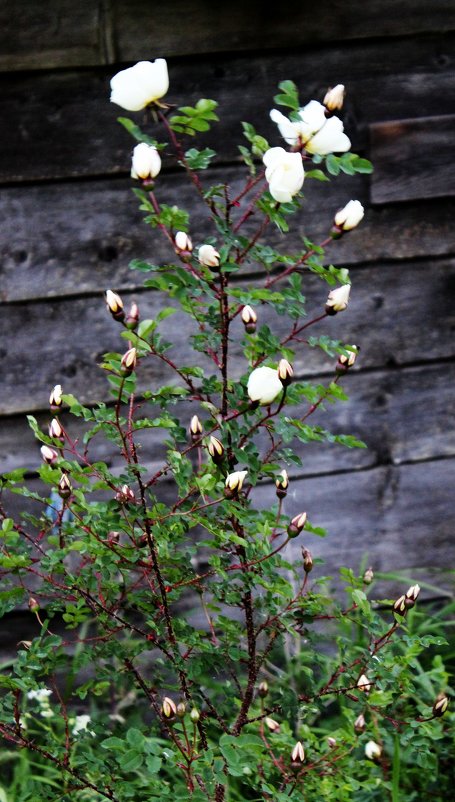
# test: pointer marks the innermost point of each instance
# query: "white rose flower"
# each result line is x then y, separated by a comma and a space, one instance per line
264, 385
314, 130
338, 299
41, 695
284, 172
208, 256
146, 161
81, 724
372, 750
133, 89
350, 216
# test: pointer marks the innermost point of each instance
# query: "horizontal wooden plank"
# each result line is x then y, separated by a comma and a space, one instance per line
60, 239
377, 412
411, 158
62, 124
56, 33
396, 316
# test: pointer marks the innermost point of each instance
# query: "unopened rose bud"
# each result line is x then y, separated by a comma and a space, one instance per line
331, 742
440, 706
115, 305
146, 162
297, 524
338, 299
413, 592
264, 385
33, 605
282, 484
183, 244
307, 560
113, 536
234, 483
360, 723
125, 495
129, 362
298, 753
347, 218
368, 576
195, 715
208, 256
249, 319
346, 362
195, 427
334, 98
216, 449
272, 724
132, 318
263, 689
55, 398
49, 455
64, 486
372, 750
181, 709
364, 684
25, 644
285, 372
400, 607
168, 708
55, 429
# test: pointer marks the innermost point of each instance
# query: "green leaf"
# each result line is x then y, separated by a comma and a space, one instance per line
199, 159
136, 132
288, 96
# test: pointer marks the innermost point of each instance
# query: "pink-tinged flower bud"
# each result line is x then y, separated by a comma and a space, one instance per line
208, 256
263, 689
113, 536
440, 706
364, 684
338, 299
234, 483
249, 319
297, 524
373, 751
282, 484
183, 244
216, 449
334, 98
129, 362
368, 576
168, 708
49, 455
195, 428
55, 398
132, 318
360, 723
55, 430
33, 605
400, 607
285, 372
195, 715
346, 362
264, 386
307, 560
181, 709
146, 162
125, 495
272, 724
331, 742
347, 218
115, 305
64, 486
413, 592
298, 753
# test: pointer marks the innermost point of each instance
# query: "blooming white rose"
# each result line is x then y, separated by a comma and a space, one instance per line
284, 172
338, 299
134, 88
372, 750
146, 161
350, 216
264, 385
313, 129
208, 256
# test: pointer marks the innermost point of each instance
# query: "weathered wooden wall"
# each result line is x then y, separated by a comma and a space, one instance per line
70, 227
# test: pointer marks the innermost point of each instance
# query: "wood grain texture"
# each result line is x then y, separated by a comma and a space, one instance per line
411, 159
61, 124
378, 412
396, 315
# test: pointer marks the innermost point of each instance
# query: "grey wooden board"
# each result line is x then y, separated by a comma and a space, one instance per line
368, 517
78, 238
378, 412
412, 158
61, 124
397, 315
